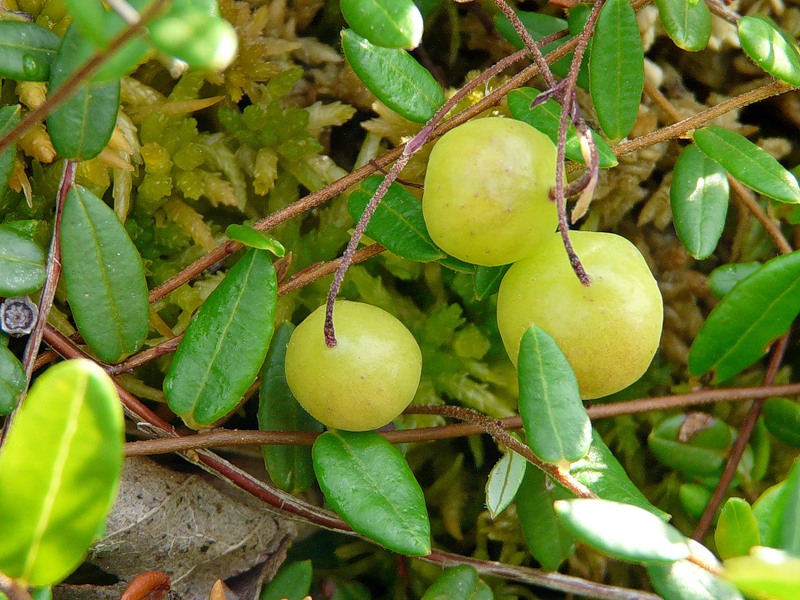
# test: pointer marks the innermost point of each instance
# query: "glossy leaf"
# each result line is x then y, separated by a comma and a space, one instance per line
104, 277
51, 508
788, 538
200, 40
482, 592
456, 583
255, 239
293, 582
486, 280
397, 80
225, 345
12, 380
684, 580
387, 23
369, 483
22, 264
550, 542
622, 531
289, 466
758, 310
694, 498
702, 454
616, 69
722, 279
397, 223
766, 573
557, 427
687, 23
82, 126
504, 481
770, 48
27, 51
459, 266
699, 199
9, 118
748, 163
601, 472
782, 418
545, 118
89, 17
737, 529
767, 511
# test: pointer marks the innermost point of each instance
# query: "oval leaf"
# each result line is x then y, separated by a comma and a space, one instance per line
722, 279
789, 515
545, 117
52, 508
486, 280
27, 51
699, 199
758, 310
200, 40
770, 48
289, 466
703, 454
684, 580
387, 23
9, 118
748, 163
557, 427
687, 23
292, 582
104, 277
12, 380
369, 483
504, 481
766, 573
22, 264
82, 126
255, 239
616, 69
225, 345
782, 418
623, 531
549, 541
737, 529
601, 472
765, 510
90, 18
456, 583
397, 222
398, 80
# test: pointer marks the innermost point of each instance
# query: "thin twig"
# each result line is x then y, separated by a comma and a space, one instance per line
745, 197
532, 47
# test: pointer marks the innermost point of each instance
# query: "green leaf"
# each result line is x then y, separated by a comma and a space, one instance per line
27, 51
699, 199
51, 508
225, 345
459, 266
482, 592
737, 529
782, 418
486, 280
12, 380
22, 264
104, 277
9, 118
767, 510
293, 582
688, 24
387, 23
192, 35
504, 481
684, 580
82, 126
557, 427
702, 454
722, 279
622, 531
766, 573
397, 80
758, 310
546, 117
789, 513
89, 17
456, 583
289, 467
369, 483
255, 239
397, 223
616, 69
601, 472
770, 48
748, 163
549, 541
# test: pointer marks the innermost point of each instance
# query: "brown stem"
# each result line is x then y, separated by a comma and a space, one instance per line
12, 589
530, 44
737, 450
745, 197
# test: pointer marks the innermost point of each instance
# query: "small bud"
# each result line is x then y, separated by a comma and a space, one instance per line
18, 316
